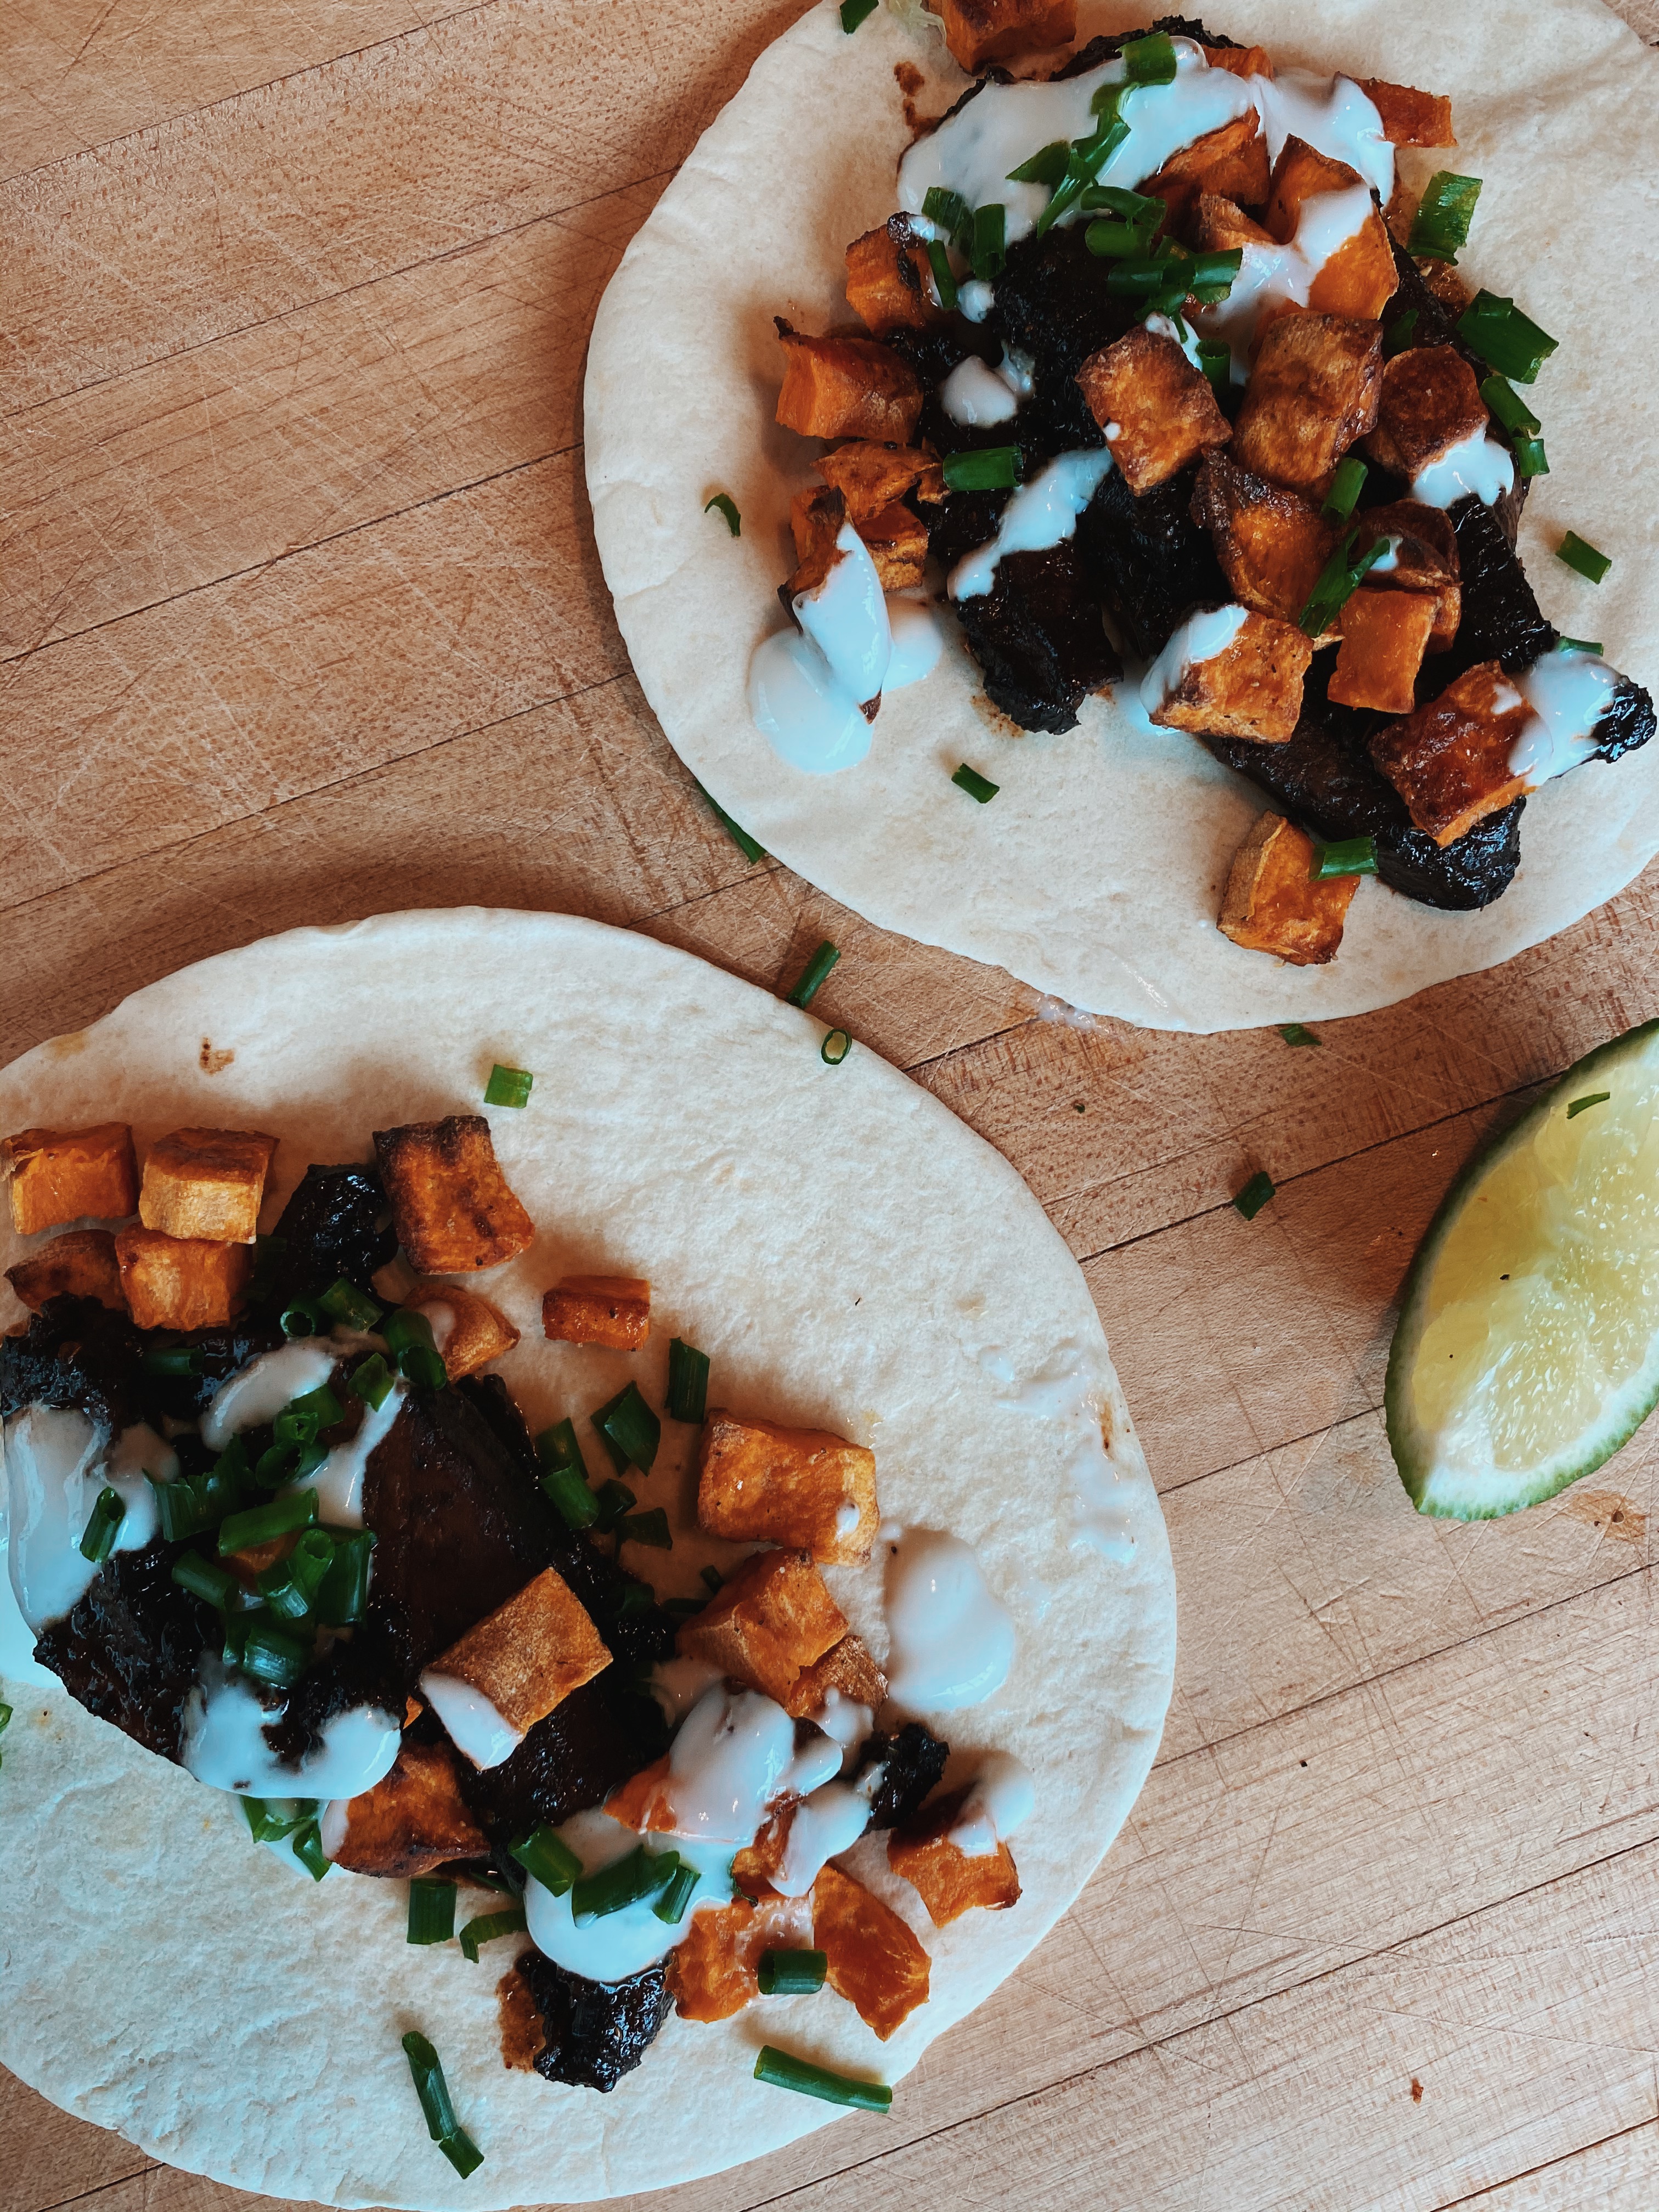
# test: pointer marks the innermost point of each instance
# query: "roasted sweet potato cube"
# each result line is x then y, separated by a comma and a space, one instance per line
1384, 637
1250, 688
1449, 760
873, 1959
206, 1182
1429, 403
1312, 393
411, 1822
1274, 903
1360, 278
510, 1669
1410, 117
846, 1668
846, 388
889, 278
642, 1801
898, 545
949, 1881
805, 1488
1158, 412
771, 1619
1301, 172
80, 1264
70, 1174
1220, 224
1423, 557
180, 1282
1230, 161
870, 477
450, 1202
713, 1971
817, 517
981, 31
1270, 543
1242, 61
614, 1311
468, 1331
523, 2033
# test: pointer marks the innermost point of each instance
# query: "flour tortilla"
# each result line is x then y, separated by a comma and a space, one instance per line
1096, 873
845, 1252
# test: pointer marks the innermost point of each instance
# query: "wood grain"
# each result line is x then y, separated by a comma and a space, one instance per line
300, 620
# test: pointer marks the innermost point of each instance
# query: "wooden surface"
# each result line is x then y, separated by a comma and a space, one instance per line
300, 619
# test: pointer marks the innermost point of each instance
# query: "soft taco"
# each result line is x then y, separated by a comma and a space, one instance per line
634, 1514
1161, 486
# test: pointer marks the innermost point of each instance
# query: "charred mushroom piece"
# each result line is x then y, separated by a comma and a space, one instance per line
328, 1229
593, 2033
911, 1762
129, 1649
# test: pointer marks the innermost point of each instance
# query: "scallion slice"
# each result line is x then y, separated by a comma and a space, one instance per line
630, 1431
782, 2071
1115, 241
289, 1588
268, 1825
372, 1382
613, 1499
1294, 1033
258, 1525
1440, 228
642, 1875
1346, 487
508, 1086
342, 1595
109, 1510
408, 1333
1045, 168
835, 1048
1507, 404
307, 1848
1339, 580
1255, 1194
1150, 60
1577, 645
173, 1359
1505, 339
714, 1578
548, 1858
989, 249
948, 210
746, 845
1530, 458
1351, 856
1215, 358
944, 282
431, 1911
815, 974
1398, 336
670, 1907
1591, 1098
487, 1926
1584, 558
345, 1302
444, 2130
991, 468
577, 1506
723, 504
688, 1381
649, 1528
202, 1578
270, 1656
301, 1420
301, 1317
791, 1974
854, 12
977, 786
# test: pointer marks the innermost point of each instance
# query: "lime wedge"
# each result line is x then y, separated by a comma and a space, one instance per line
1526, 1349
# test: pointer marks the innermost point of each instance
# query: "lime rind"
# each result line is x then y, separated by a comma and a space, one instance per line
1509, 1339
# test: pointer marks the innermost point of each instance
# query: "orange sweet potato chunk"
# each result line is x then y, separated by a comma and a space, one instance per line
869, 476
206, 1182
1158, 412
1251, 689
1218, 224
1384, 637
70, 1174
1230, 161
846, 388
1449, 760
1312, 393
898, 545
413, 1819
450, 1201
1410, 117
1273, 902
981, 31
713, 1972
614, 1311
1270, 543
1242, 61
846, 1668
817, 517
180, 1282
80, 1264
642, 1801
1424, 559
1429, 402
887, 279
1360, 278
529, 1654
874, 1961
947, 1879
772, 1618
477, 1332
805, 1488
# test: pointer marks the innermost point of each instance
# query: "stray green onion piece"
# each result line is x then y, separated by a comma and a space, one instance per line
507, 1086
740, 837
629, 1429
1507, 404
342, 1595
301, 1419
1582, 1105
670, 1907
814, 974
715, 1579
202, 1578
1577, 645
1045, 168
989, 249
651, 1528
269, 1824
947, 208
487, 1926
564, 1478
343, 1301
290, 1586
1339, 580
688, 1381
307, 1848
1530, 458
993, 468
835, 1048
271, 1656
1398, 336
109, 1510
1294, 1033
431, 1911
1346, 487
280, 1518
1584, 558
409, 1337
1505, 339
782, 2071
1351, 856
1150, 60
723, 504
451, 2139
977, 786
944, 282
791, 1974
1440, 228
852, 13
1255, 1195
372, 1382
636, 1879
548, 1859
614, 1499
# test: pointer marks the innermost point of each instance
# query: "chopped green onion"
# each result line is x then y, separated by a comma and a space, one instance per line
372, 1382
977, 786
688, 1381
715, 1579
1255, 1195
202, 1578
947, 208
989, 250
342, 1595
409, 1337
1530, 458
487, 1926
431, 1911
459, 2148
301, 1317
991, 468
270, 1656
1346, 487
179, 1509
1115, 241
548, 1859
642, 1875
307, 1848
1150, 60
173, 1359
835, 1048
614, 1499
1047, 167
944, 282
1351, 856
557, 1448
683, 1607
1582, 1105
346, 1303
1507, 404
1584, 558
1339, 580
1505, 339
723, 504
1577, 645
782, 2071
852, 13
268, 1825
814, 974
109, 1510
508, 1086
1157, 273
451, 2139
289, 1587
629, 1430
1215, 358
1440, 228
301, 1417
5, 1716
577, 1506
1294, 1033
1143, 209
670, 1907
280, 1518
791, 1974
651, 1528
740, 837
1398, 336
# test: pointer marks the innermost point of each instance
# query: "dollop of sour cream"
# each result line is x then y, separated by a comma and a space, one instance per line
1476, 463
1000, 1799
617, 1944
974, 394
951, 1640
471, 1722
55, 1461
1040, 514
734, 1755
262, 1388
338, 1482
846, 617
1568, 693
225, 1744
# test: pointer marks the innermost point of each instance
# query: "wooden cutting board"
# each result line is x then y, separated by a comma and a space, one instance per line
300, 619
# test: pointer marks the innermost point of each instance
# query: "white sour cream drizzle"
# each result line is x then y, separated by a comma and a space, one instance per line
338, 1482
846, 617
1066, 1393
846, 1721
1477, 464
733, 1756
1040, 514
950, 1642
264, 1386
1200, 638
224, 1743
1001, 1798
807, 714
918, 642
473, 1724
1270, 277
1389, 560
828, 1821
974, 393
1568, 693
611, 1949
975, 299
55, 1462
